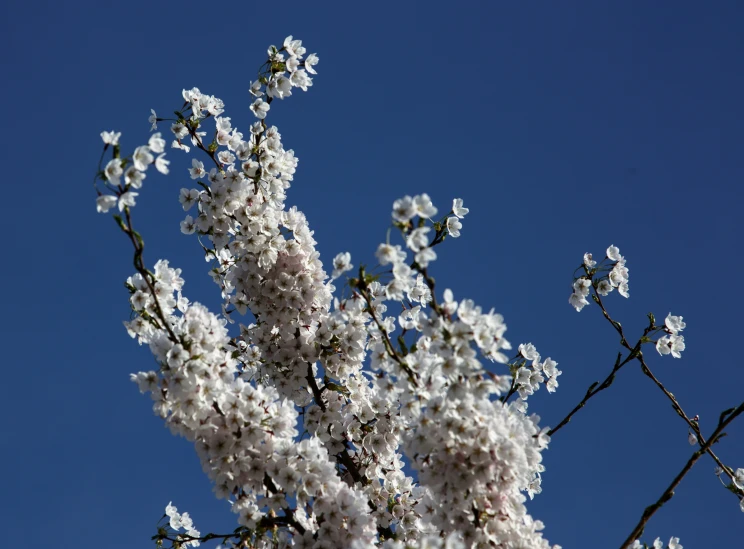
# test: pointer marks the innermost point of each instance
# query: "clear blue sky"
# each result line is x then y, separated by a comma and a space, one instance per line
565, 127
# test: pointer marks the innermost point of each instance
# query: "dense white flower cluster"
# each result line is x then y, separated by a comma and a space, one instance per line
452, 541
529, 378
603, 277
237, 399
370, 391
476, 456
244, 433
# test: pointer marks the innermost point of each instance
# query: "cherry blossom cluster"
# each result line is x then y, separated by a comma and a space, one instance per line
308, 420
604, 277
477, 456
452, 541
267, 264
177, 521
244, 433
237, 400
673, 343
529, 378
121, 175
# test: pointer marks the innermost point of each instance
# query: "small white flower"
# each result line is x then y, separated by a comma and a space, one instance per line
197, 169
529, 351
403, 210
179, 130
613, 253
255, 89
739, 478
156, 143
341, 264
671, 344
623, 289
111, 138
142, 157
133, 177
127, 199
310, 62
674, 323
604, 287
161, 164
260, 108
105, 202
177, 145
113, 171
578, 301
418, 239
453, 227
457, 208
187, 225
423, 206
581, 286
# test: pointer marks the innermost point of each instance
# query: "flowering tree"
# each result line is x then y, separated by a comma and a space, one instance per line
327, 421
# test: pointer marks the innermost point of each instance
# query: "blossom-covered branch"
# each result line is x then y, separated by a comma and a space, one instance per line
412, 437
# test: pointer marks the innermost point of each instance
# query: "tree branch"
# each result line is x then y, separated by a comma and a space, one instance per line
669, 492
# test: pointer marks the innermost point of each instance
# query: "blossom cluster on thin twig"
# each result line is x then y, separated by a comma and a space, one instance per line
305, 421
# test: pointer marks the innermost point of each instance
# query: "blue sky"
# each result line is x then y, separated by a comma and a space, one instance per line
565, 127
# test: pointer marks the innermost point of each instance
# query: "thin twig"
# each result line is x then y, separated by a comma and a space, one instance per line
594, 388
669, 492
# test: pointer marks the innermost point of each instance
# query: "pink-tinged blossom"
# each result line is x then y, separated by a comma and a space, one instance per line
197, 170
473, 452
